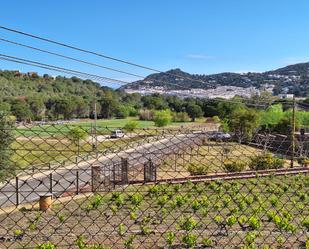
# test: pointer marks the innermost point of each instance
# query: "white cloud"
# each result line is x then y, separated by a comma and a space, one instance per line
200, 57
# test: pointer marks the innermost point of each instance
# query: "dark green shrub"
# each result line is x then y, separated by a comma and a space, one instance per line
198, 169
131, 125
303, 161
266, 161
234, 166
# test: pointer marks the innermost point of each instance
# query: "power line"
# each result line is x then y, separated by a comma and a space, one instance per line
51, 69
110, 58
85, 62
60, 69
95, 77
69, 58
98, 54
105, 56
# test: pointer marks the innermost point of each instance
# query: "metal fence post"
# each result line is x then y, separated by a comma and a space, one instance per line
124, 171
17, 190
77, 182
293, 133
51, 183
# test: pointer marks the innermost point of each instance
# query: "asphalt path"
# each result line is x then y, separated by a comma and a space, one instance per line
58, 181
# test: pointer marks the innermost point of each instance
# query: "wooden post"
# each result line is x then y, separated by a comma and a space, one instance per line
114, 175
124, 171
95, 178
45, 202
150, 171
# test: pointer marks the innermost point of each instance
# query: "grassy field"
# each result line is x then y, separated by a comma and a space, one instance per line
41, 145
210, 157
264, 212
39, 153
103, 126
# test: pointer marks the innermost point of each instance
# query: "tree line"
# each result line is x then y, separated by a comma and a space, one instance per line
30, 97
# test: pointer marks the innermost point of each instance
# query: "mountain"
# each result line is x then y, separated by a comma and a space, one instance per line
289, 79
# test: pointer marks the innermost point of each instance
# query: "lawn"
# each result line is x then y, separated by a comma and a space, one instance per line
39, 153
41, 145
103, 126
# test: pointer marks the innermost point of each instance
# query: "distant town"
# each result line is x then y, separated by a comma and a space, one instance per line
224, 92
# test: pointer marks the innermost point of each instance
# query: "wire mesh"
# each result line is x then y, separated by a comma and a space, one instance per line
71, 186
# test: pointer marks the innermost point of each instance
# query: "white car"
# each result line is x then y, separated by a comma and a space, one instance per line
117, 134
219, 136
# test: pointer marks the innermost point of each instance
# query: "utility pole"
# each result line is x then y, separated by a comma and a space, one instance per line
95, 125
293, 132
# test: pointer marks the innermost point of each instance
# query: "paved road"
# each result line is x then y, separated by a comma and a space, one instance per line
31, 187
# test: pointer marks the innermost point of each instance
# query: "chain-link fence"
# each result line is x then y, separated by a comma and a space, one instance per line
65, 186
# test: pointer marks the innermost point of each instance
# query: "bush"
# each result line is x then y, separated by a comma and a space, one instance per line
132, 111
145, 114
303, 161
130, 126
122, 111
266, 161
216, 119
234, 166
162, 118
181, 117
198, 169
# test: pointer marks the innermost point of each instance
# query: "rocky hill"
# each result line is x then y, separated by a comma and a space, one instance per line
290, 79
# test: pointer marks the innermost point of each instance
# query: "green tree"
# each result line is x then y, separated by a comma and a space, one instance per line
226, 109
155, 101
175, 103
7, 168
65, 107
108, 105
77, 134
272, 116
243, 122
37, 107
284, 126
81, 107
162, 118
21, 110
5, 107
194, 111
122, 111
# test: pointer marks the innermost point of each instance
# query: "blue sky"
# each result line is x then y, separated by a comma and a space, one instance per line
198, 36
